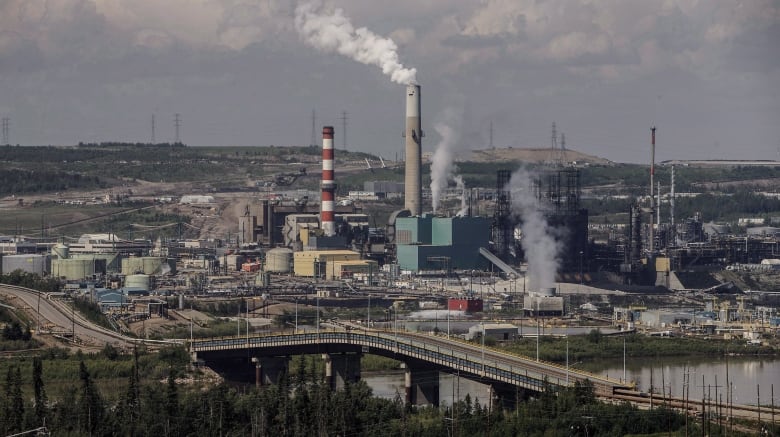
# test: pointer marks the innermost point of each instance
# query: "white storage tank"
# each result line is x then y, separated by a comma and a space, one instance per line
138, 281
73, 269
278, 260
61, 251
148, 265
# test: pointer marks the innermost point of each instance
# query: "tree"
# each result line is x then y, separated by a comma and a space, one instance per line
16, 402
91, 407
172, 400
39, 392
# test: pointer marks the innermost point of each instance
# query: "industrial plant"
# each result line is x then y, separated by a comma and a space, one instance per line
532, 237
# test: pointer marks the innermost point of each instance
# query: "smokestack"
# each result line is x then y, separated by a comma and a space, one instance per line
327, 218
651, 242
413, 134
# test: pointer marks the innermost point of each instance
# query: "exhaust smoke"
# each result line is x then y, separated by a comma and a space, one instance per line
334, 33
542, 248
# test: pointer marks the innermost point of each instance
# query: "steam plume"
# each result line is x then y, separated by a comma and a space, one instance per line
541, 248
443, 161
335, 34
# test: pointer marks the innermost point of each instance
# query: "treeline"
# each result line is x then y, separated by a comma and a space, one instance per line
596, 346
17, 182
718, 207
31, 280
115, 145
300, 405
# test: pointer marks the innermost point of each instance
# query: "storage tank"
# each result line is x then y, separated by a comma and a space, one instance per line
138, 281
152, 264
61, 251
73, 269
278, 260
148, 265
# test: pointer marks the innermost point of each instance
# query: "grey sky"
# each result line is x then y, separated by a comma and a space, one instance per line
707, 73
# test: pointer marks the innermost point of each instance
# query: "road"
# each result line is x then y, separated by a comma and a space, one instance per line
56, 316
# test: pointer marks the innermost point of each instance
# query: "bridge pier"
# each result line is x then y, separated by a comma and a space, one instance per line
341, 369
269, 370
422, 385
507, 396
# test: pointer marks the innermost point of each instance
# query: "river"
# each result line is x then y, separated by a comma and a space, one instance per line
744, 375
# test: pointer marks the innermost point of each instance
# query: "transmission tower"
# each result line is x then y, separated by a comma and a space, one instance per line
490, 145
153, 139
563, 148
554, 155
344, 129
177, 126
6, 128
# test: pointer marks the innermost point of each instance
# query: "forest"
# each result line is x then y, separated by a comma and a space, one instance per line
151, 401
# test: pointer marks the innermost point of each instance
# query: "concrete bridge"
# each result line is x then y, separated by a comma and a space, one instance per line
510, 377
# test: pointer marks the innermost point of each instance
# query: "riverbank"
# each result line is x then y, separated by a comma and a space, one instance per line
596, 346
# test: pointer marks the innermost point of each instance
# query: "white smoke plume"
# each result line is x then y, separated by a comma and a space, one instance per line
333, 33
542, 249
443, 160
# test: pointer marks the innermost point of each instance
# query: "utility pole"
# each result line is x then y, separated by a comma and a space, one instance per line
177, 126
344, 129
153, 139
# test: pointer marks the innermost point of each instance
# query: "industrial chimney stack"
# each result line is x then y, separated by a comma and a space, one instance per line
327, 218
413, 134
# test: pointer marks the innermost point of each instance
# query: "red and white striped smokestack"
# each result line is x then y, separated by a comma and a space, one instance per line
327, 204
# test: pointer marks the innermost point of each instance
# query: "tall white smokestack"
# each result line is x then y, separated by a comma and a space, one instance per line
327, 217
413, 134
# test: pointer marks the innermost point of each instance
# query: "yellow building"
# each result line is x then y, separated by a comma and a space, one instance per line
311, 263
348, 269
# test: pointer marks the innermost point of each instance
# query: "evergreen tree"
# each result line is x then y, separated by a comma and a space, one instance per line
16, 407
39, 392
91, 406
172, 401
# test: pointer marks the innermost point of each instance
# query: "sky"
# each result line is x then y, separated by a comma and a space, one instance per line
246, 73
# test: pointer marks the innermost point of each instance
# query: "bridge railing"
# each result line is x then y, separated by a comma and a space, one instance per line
496, 365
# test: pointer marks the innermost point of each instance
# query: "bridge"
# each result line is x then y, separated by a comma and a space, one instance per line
509, 376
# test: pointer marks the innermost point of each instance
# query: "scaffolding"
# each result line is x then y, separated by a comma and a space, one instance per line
503, 224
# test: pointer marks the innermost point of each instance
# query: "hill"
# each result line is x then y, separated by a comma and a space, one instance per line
536, 156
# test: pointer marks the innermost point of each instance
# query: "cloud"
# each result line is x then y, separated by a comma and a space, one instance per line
82, 30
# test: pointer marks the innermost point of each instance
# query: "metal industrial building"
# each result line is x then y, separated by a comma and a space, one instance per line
441, 243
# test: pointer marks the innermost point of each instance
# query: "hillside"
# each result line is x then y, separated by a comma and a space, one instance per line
536, 156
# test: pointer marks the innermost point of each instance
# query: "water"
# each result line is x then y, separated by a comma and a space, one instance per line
744, 375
